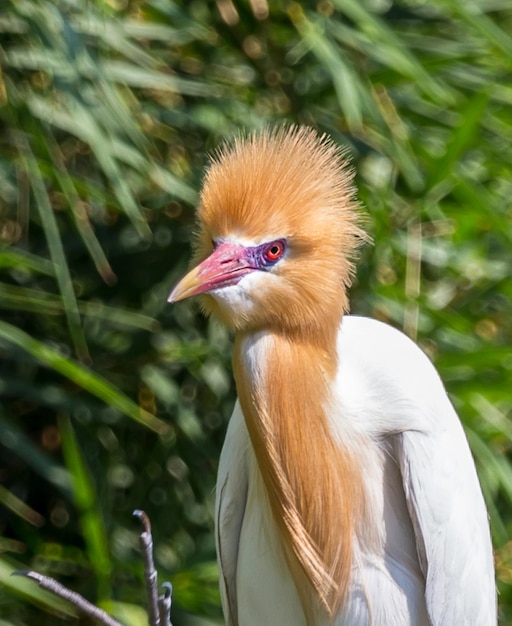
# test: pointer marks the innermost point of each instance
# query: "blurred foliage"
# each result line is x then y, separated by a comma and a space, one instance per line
112, 400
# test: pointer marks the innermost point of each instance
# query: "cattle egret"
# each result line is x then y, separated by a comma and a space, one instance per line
346, 493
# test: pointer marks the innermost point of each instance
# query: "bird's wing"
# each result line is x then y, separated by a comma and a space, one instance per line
451, 527
390, 382
231, 496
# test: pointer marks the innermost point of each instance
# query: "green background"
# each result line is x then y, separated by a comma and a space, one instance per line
113, 400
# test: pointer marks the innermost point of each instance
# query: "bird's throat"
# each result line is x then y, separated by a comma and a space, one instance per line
313, 484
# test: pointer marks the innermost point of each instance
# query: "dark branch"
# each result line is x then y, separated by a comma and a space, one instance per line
164, 604
159, 606
150, 573
72, 596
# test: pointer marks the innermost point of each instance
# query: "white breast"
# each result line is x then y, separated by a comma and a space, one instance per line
265, 590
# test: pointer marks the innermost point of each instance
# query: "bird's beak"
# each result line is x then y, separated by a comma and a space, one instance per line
227, 265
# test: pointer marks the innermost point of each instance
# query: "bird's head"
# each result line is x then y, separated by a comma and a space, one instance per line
278, 229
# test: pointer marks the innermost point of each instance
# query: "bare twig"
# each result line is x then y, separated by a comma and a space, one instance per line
159, 606
72, 596
150, 573
164, 604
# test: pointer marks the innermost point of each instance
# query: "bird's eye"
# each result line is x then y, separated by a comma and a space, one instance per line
274, 251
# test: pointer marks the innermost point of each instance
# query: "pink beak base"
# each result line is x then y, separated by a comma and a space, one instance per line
227, 265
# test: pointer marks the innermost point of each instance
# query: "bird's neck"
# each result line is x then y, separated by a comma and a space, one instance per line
313, 483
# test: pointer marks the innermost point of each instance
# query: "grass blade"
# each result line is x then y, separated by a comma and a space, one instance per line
19, 508
395, 52
345, 81
78, 211
55, 248
38, 301
84, 496
463, 135
82, 376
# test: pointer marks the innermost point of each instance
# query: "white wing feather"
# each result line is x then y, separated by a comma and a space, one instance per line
231, 498
385, 374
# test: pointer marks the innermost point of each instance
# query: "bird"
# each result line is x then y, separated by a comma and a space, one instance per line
346, 491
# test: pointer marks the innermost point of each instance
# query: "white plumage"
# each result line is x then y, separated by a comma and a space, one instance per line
432, 562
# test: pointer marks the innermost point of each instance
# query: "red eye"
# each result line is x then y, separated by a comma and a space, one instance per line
274, 251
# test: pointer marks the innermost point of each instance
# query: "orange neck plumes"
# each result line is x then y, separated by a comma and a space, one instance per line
313, 486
